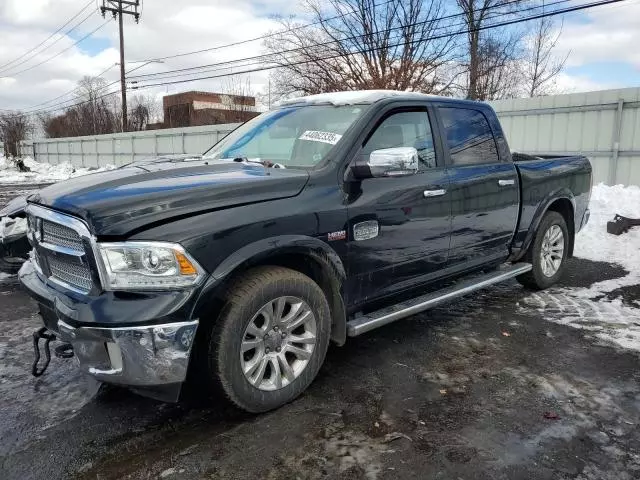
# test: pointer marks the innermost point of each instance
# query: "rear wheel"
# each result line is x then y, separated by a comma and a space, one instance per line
547, 253
270, 340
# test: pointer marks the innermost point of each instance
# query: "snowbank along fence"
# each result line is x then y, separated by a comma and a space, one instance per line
120, 148
604, 126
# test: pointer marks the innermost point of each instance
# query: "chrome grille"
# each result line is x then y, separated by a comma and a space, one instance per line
59, 248
61, 236
70, 271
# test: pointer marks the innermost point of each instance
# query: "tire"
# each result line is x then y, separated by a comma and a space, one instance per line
539, 277
247, 300
10, 267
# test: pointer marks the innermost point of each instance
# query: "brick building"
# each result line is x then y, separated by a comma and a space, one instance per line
189, 109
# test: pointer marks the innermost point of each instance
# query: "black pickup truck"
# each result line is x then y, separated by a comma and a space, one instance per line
324, 218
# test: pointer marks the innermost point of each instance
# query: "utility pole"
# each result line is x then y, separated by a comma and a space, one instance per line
119, 8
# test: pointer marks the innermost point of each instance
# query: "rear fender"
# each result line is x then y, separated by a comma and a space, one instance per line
543, 207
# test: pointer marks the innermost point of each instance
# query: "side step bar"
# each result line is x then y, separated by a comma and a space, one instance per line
373, 320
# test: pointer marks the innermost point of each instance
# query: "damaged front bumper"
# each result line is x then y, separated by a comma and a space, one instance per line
150, 358
143, 357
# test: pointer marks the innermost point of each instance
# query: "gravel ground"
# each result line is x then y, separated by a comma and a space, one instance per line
481, 389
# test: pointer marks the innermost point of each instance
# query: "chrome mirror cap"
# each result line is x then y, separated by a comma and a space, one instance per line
393, 162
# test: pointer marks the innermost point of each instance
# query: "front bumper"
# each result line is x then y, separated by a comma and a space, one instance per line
147, 355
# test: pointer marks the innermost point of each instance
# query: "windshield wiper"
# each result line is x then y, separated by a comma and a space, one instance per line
264, 163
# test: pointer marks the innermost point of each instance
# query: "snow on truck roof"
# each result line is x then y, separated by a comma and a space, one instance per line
352, 97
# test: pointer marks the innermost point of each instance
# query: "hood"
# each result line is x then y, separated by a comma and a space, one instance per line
118, 202
15, 208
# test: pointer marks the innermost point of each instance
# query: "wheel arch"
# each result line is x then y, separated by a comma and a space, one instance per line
567, 209
561, 201
306, 255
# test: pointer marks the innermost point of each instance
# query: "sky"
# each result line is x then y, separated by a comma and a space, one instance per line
602, 44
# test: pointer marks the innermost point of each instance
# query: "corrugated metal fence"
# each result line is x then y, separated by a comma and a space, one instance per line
120, 148
604, 126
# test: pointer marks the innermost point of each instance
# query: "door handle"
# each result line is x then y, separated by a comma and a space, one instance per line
504, 183
434, 193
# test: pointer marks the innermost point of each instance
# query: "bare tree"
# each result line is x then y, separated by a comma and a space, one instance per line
92, 114
364, 44
498, 73
14, 128
239, 99
541, 66
491, 54
144, 110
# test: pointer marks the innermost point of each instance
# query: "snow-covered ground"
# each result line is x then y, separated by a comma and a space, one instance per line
599, 308
42, 172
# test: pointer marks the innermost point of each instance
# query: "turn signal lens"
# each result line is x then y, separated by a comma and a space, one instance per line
186, 267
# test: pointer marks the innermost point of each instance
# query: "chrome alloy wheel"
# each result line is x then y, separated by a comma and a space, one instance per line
552, 250
278, 343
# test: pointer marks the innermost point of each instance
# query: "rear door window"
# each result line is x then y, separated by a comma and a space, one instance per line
468, 136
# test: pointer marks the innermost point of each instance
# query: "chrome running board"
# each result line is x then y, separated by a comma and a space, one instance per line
376, 319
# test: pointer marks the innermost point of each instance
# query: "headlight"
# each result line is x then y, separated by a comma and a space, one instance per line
12, 228
148, 266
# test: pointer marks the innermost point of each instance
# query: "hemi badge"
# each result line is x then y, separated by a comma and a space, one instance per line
339, 235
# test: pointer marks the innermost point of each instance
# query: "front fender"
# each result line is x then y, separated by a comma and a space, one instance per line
260, 250
280, 244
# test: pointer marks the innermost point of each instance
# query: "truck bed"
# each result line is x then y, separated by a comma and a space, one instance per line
544, 179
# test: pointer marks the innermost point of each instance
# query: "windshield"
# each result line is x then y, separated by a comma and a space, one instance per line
292, 137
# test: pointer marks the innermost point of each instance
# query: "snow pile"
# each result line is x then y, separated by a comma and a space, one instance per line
350, 97
599, 308
594, 243
42, 172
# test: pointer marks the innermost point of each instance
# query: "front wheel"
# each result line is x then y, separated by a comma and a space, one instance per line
270, 340
547, 253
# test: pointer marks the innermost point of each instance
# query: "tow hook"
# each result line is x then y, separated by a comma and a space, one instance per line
64, 350
48, 337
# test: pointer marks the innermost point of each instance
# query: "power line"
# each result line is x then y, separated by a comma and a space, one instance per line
43, 50
83, 102
466, 31
120, 8
263, 37
70, 91
59, 53
3, 66
264, 57
65, 103
484, 27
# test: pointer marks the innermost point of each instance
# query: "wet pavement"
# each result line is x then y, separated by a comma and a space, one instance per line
481, 389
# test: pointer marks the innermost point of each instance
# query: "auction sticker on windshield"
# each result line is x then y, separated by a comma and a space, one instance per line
324, 137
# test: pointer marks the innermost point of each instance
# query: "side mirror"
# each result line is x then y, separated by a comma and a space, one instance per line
388, 162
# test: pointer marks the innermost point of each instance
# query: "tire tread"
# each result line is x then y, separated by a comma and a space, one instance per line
239, 292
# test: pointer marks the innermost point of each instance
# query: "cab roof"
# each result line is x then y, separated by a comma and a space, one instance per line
359, 97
